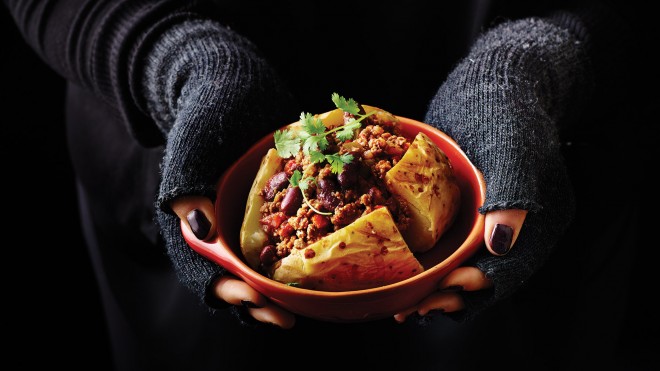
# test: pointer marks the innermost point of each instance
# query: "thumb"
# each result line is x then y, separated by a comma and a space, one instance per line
502, 228
198, 213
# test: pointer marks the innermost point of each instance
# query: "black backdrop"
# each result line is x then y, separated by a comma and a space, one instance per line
50, 290
50, 293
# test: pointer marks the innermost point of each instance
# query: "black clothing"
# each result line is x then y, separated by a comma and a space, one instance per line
397, 65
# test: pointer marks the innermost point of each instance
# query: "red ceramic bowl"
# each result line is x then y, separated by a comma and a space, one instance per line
455, 246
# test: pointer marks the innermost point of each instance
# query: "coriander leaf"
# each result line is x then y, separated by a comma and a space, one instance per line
295, 178
302, 135
315, 143
346, 132
349, 106
346, 158
338, 161
316, 157
286, 143
311, 124
304, 184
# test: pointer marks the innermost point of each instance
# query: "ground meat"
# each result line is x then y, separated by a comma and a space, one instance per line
346, 215
378, 143
284, 247
376, 149
382, 167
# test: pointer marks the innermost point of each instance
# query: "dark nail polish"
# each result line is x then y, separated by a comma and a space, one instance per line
453, 288
249, 304
500, 239
199, 224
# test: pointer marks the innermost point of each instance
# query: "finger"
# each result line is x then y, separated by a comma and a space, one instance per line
237, 292
502, 228
273, 314
199, 214
446, 302
465, 279
401, 316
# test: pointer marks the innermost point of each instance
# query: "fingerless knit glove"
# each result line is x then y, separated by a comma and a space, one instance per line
212, 95
503, 104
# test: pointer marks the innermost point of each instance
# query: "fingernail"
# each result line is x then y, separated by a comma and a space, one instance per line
400, 319
199, 224
453, 288
500, 239
249, 304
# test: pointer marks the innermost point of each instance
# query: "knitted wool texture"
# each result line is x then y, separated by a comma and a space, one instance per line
212, 95
209, 91
503, 105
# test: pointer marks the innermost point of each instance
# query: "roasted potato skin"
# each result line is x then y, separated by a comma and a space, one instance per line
253, 238
425, 180
370, 252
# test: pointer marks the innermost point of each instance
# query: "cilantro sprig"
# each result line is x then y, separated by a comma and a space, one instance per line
312, 139
297, 180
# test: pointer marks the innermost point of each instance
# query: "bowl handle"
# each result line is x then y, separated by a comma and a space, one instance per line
212, 249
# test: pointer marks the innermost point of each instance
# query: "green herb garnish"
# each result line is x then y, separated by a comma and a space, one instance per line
312, 139
297, 180
286, 144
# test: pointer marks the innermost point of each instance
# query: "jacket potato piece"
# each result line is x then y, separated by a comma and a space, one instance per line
253, 238
425, 180
370, 252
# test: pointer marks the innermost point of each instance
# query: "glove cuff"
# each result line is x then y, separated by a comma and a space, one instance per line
194, 272
212, 95
504, 102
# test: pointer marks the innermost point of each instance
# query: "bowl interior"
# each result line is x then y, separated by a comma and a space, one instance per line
234, 186
463, 238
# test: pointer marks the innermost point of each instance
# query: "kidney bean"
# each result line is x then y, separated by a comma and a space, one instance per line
292, 201
326, 195
268, 255
275, 184
349, 176
376, 196
327, 184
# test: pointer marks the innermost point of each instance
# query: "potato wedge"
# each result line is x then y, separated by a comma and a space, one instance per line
424, 179
370, 252
253, 238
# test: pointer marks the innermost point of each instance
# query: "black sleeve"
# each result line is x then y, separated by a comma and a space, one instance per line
98, 44
521, 92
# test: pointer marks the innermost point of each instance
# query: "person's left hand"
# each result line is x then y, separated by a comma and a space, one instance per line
448, 298
228, 288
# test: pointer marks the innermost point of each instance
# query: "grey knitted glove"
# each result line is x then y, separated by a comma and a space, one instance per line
212, 95
503, 104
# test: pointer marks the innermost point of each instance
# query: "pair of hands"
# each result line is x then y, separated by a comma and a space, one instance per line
502, 104
447, 299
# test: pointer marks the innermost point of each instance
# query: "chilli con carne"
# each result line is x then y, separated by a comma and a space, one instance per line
357, 190
344, 200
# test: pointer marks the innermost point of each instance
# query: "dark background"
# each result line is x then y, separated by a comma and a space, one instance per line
54, 306
51, 290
